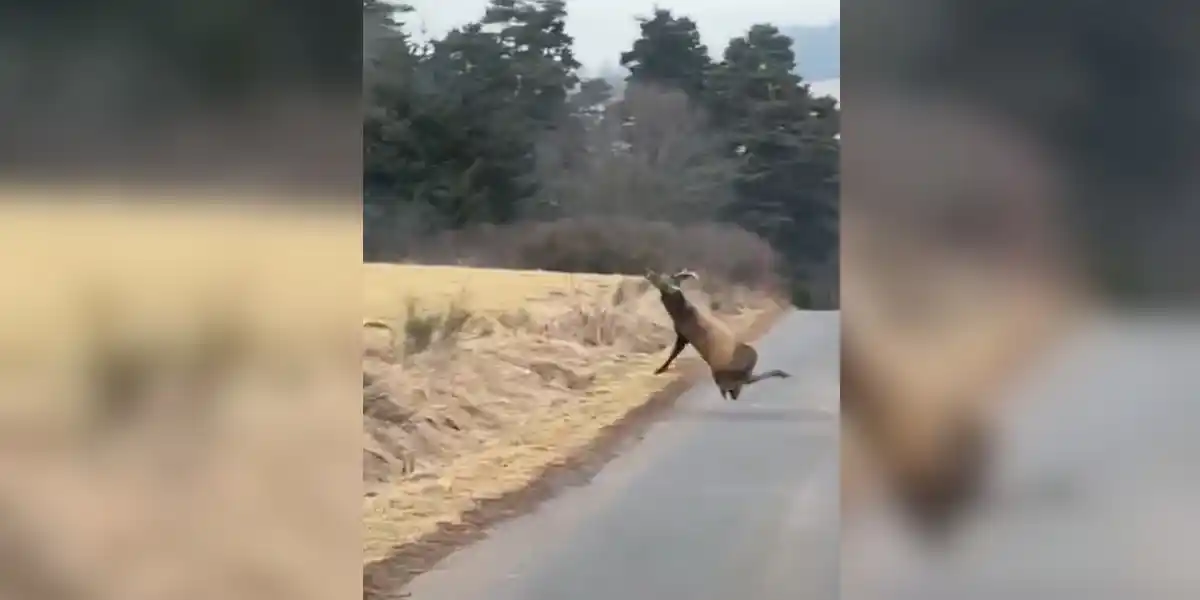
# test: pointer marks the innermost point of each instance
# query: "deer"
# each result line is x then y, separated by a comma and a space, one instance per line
731, 361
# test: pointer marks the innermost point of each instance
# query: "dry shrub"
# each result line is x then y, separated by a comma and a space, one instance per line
422, 330
723, 253
417, 331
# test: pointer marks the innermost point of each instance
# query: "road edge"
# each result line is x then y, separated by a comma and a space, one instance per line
389, 574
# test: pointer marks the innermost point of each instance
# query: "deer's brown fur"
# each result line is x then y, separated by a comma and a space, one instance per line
731, 361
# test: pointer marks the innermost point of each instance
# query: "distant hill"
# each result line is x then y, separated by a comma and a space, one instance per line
818, 50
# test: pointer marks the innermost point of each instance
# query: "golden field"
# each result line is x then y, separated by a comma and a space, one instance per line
510, 371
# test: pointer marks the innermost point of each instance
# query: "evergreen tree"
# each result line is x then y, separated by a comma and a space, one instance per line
668, 54
788, 187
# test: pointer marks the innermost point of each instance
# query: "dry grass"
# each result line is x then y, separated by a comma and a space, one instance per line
510, 372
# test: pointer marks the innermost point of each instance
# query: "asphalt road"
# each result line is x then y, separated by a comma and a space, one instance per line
1097, 493
720, 500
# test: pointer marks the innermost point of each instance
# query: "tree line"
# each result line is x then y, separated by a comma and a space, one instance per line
493, 126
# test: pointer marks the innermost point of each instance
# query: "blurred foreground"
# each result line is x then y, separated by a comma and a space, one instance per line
178, 397
177, 394
1018, 352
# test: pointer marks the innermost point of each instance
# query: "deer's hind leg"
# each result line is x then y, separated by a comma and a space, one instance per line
735, 391
729, 382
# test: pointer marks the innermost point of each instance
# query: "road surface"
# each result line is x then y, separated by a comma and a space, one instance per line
721, 500
1097, 494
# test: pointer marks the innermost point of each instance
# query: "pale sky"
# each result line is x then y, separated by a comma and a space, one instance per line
604, 28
